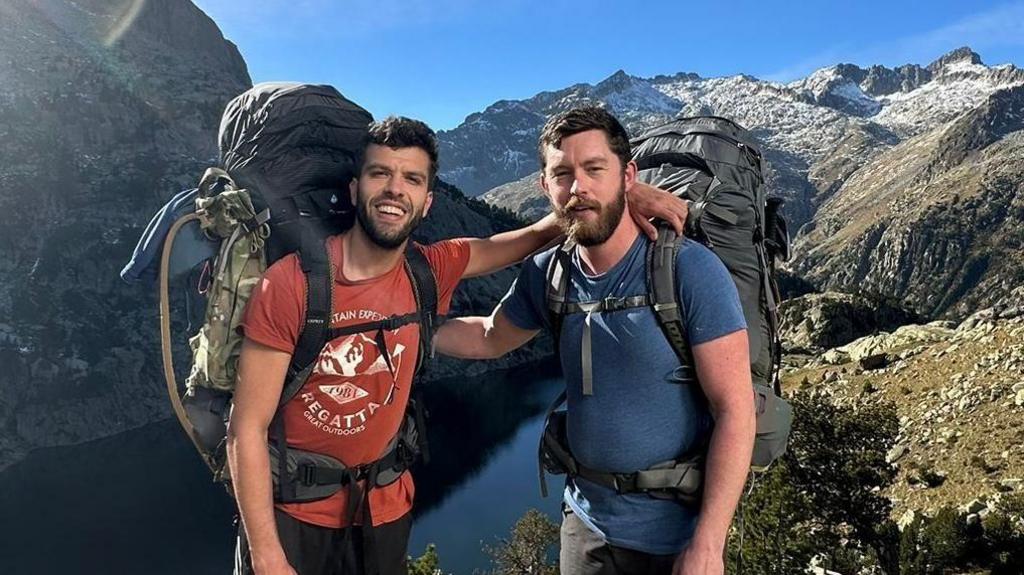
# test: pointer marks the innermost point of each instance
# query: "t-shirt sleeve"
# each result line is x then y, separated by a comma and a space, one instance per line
273, 316
448, 259
711, 305
524, 303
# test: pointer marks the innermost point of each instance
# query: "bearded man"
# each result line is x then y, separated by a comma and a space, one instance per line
631, 404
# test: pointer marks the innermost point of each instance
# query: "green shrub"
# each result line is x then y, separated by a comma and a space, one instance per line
526, 551
822, 499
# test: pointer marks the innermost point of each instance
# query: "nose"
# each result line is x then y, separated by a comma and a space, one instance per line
395, 186
580, 183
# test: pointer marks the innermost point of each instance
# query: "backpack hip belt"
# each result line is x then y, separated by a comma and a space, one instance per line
680, 480
316, 476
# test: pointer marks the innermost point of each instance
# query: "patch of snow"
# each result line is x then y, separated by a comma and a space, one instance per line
938, 101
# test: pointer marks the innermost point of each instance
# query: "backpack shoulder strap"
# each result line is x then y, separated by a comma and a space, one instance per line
557, 290
317, 270
661, 286
424, 288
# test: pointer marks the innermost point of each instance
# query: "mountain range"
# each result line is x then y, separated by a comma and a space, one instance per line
905, 182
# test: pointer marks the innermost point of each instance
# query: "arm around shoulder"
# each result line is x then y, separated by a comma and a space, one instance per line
488, 255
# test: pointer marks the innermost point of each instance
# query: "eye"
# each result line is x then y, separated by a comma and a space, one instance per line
595, 169
414, 180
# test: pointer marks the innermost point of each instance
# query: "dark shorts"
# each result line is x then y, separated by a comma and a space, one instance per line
315, 550
586, 553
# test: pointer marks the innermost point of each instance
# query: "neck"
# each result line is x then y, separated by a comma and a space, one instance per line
600, 258
364, 259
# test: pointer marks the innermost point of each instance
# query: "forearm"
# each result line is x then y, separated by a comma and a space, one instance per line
725, 474
250, 471
466, 338
502, 250
480, 337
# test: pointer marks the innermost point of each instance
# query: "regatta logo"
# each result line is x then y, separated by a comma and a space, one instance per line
327, 421
356, 355
343, 393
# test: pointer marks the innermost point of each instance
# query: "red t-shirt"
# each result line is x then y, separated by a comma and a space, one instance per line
342, 409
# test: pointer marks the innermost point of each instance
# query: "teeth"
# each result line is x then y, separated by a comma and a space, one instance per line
392, 210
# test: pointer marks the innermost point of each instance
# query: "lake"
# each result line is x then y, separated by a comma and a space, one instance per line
143, 502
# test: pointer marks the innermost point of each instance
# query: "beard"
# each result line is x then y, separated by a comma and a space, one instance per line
592, 233
388, 238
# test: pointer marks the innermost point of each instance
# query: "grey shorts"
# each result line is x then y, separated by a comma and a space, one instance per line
587, 553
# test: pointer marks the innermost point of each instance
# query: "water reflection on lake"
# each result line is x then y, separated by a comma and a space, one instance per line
142, 502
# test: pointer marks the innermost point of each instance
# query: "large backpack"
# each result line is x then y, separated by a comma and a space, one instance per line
288, 153
716, 166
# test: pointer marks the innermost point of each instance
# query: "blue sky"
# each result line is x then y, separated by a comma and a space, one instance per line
441, 60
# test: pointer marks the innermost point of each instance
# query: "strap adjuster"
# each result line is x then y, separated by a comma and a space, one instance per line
307, 474
624, 482
612, 303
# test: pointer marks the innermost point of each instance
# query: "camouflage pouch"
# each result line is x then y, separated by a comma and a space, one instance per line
226, 212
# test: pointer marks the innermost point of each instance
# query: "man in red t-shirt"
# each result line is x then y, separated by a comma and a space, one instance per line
355, 398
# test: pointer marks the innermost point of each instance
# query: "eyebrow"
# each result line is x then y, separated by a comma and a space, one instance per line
591, 161
595, 160
378, 166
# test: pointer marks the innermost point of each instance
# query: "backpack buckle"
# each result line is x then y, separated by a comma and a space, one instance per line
307, 474
624, 482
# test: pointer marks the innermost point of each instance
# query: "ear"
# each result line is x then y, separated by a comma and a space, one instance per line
629, 175
426, 204
543, 181
353, 190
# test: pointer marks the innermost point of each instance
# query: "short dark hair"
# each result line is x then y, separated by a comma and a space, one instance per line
401, 132
583, 119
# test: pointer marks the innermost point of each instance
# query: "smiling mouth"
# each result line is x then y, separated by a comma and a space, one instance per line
390, 211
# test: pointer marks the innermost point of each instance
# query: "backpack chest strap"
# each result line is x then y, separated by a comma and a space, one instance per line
608, 304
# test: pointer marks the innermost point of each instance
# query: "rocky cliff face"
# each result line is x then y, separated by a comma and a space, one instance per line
107, 109
935, 221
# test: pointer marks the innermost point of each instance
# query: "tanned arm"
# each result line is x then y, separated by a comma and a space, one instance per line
488, 255
724, 374
261, 373
646, 202
480, 337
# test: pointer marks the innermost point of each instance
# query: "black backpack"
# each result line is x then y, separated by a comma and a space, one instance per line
294, 147
717, 166
291, 149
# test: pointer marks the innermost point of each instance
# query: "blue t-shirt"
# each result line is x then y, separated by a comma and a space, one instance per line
644, 409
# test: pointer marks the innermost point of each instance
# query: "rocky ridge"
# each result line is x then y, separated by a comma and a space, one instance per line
934, 221
959, 394
903, 182
106, 108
